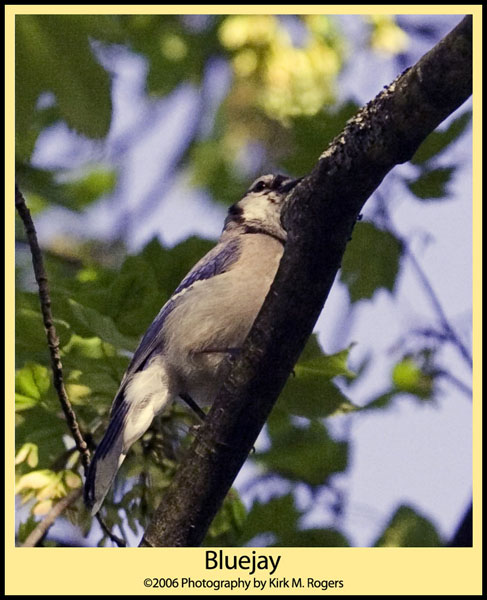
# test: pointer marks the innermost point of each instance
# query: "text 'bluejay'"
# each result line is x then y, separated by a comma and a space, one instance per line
208, 316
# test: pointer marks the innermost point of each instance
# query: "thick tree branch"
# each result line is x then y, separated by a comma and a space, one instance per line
320, 215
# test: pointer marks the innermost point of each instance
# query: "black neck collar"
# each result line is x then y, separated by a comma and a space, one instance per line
255, 229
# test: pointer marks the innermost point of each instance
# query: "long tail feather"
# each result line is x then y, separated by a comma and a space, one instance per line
106, 461
143, 396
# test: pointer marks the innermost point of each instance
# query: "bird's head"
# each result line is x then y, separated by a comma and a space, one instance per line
259, 211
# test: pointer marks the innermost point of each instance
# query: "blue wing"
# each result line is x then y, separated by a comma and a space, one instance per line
216, 262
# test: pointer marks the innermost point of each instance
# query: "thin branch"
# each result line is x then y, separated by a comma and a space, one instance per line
463, 387
43, 526
432, 334
319, 215
453, 336
448, 331
120, 543
53, 343
52, 338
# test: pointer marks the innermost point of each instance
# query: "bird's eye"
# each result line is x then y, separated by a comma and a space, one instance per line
259, 186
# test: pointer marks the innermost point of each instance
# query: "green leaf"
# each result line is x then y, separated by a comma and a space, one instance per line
26, 528
42, 185
407, 376
30, 335
437, 141
174, 52
31, 383
134, 298
279, 421
53, 53
381, 401
28, 453
97, 182
313, 397
326, 365
213, 168
315, 538
309, 135
227, 525
89, 320
306, 454
312, 349
147, 280
36, 480
44, 428
371, 261
431, 184
310, 392
408, 528
278, 516
171, 266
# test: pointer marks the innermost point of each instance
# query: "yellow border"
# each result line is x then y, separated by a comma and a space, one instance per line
397, 571
245, 9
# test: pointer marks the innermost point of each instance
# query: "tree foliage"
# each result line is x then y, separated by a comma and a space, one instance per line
274, 114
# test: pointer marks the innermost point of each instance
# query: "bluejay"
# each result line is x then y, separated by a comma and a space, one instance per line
208, 316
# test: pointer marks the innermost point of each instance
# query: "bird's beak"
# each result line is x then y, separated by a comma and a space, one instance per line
287, 187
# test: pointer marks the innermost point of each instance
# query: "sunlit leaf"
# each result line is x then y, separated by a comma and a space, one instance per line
407, 376
35, 480
387, 36
32, 383
283, 78
72, 480
42, 508
28, 453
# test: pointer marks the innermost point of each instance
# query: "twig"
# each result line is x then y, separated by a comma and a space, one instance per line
463, 387
52, 338
53, 343
121, 543
449, 333
453, 336
41, 529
